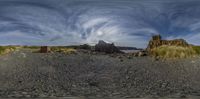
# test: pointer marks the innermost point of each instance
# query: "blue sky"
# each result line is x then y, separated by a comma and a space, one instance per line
123, 22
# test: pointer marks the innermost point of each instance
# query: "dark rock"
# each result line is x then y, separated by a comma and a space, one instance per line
44, 49
93, 83
142, 53
106, 47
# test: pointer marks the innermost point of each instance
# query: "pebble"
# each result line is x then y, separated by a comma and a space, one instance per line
136, 77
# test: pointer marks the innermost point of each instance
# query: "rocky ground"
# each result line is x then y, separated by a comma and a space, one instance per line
27, 74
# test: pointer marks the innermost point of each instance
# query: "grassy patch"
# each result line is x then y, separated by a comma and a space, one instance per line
7, 49
173, 52
197, 49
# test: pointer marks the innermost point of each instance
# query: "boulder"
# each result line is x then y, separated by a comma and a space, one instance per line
106, 47
140, 53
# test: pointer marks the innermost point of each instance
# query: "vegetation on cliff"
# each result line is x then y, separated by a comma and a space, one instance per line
197, 49
173, 52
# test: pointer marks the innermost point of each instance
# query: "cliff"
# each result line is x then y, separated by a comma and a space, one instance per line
157, 41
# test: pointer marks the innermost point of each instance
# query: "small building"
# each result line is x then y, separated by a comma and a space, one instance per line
44, 49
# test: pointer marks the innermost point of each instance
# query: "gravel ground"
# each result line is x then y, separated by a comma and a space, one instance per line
27, 74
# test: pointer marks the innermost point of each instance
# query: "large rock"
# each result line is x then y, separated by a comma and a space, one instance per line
157, 41
106, 47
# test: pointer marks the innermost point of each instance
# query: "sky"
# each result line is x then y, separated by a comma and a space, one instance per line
72, 22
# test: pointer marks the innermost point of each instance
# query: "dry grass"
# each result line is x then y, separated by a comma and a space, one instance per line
173, 52
197, 49
7, 49
63, 50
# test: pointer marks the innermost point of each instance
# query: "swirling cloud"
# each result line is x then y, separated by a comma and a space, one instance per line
69, 22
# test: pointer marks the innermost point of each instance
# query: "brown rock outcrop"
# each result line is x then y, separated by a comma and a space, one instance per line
106, 47
157, 41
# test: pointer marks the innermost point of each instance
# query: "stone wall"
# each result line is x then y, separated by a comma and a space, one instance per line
156, 41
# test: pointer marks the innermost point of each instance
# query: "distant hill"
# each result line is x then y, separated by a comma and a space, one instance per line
128, 48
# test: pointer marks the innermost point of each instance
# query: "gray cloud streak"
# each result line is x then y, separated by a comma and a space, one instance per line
126, 23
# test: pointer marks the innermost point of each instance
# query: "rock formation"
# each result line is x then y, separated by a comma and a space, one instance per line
140, 53
157, 41
44, 49
106, 47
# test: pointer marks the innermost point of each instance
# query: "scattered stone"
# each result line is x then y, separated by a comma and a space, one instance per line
24, 93
62, 75
42, 95
27, 96
140, 53
129, 57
